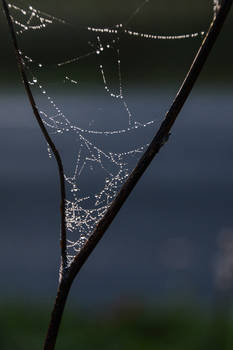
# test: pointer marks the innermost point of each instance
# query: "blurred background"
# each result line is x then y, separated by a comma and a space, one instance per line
161, 278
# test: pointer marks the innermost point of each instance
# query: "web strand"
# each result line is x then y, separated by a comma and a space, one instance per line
85, 209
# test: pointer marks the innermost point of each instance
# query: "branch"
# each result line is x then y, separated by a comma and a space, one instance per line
48, 139
159, 140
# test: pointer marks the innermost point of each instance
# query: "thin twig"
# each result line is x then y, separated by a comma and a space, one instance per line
57, 313
159, 140
48, 139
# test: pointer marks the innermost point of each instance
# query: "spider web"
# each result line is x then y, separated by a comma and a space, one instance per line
105, 164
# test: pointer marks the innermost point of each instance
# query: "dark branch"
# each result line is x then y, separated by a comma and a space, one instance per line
45, 134
57, 313
160, 138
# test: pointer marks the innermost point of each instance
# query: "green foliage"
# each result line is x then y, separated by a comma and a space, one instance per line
23, 328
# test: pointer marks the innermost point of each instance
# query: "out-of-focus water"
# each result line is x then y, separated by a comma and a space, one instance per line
165, 240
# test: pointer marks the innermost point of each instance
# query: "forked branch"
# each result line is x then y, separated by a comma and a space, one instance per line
159, 140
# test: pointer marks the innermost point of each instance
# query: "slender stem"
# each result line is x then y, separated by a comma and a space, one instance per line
57, 314
159, 140
48, 139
